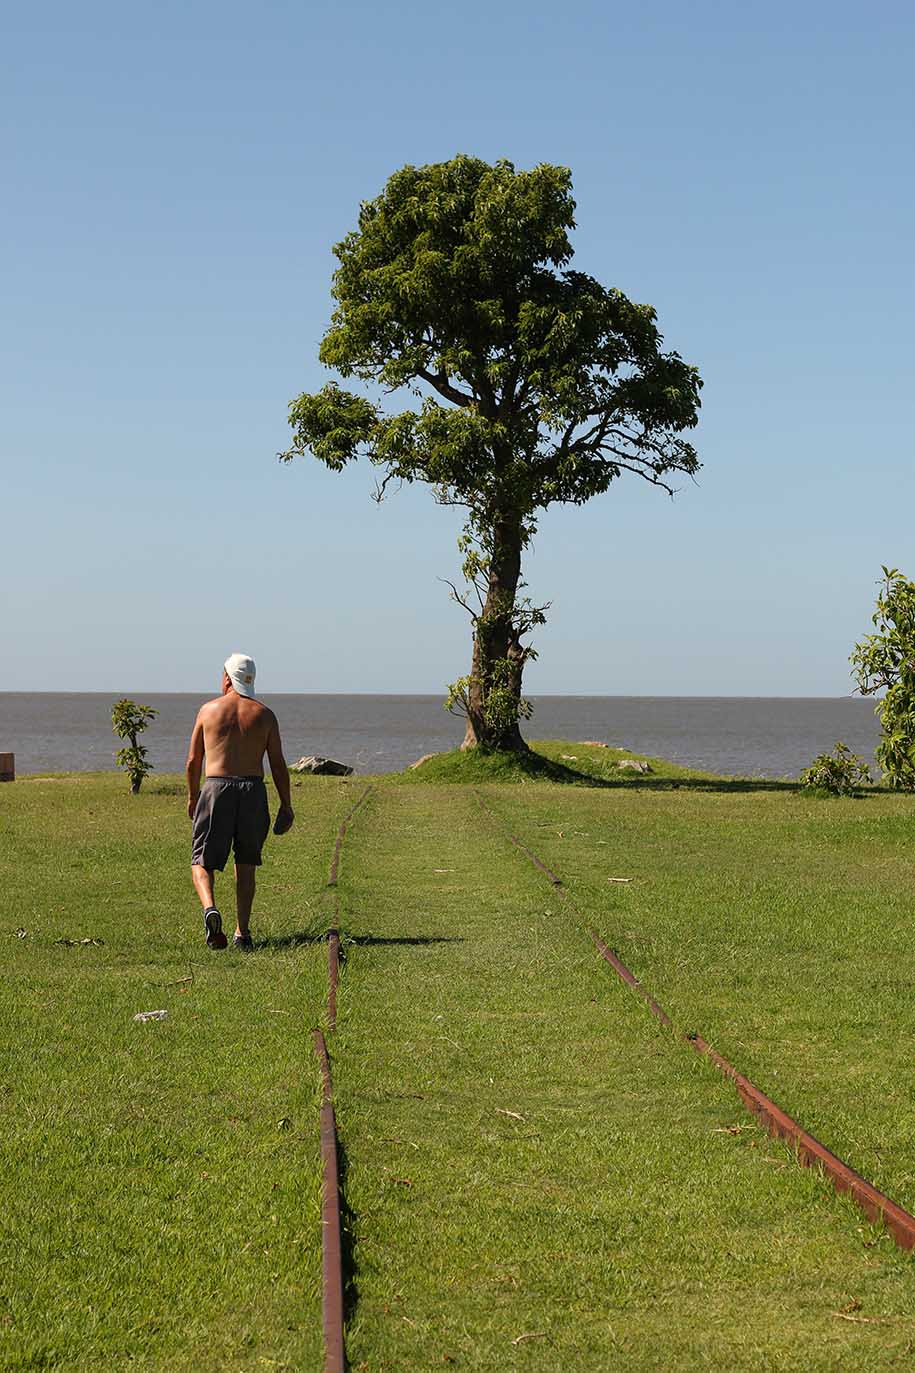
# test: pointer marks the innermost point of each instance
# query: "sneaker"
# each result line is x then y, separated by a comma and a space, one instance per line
243, 942
212, 922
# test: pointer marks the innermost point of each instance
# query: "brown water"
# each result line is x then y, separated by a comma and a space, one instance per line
740, 736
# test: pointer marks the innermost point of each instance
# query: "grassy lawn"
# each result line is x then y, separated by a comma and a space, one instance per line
160, 1181
781, 927
539, 1176
531, 1155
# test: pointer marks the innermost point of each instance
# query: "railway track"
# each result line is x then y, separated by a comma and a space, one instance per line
332, 1278
808, 1150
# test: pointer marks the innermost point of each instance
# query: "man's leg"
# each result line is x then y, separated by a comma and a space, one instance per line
245, 882
203, 885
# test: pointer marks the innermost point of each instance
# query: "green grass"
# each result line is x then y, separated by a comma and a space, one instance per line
782, 929
160, 1185
528, 1153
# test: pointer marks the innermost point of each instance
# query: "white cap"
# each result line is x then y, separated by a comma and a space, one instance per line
241, 671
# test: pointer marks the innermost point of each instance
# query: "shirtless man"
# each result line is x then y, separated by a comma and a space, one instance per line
230, 809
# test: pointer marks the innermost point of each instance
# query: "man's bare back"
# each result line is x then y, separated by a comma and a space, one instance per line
236, 735
234, 732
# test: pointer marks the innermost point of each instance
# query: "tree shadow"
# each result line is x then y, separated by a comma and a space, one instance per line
312, 936
733, 784
373, 940
742, 784
290, 941
540, 768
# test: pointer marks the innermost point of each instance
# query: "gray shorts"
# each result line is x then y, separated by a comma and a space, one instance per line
230, 811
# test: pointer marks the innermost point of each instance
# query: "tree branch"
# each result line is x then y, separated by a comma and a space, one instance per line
381, 488
439, 382
648, 475
456, 596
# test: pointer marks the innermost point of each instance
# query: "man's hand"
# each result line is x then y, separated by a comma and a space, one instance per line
284, 818
192, 805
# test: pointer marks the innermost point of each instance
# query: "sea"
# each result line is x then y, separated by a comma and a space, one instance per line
740, 736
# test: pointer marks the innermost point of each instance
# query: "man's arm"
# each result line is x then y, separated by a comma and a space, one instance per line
278, 769
194, 766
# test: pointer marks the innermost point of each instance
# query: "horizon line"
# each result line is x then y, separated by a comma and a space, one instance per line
417, 695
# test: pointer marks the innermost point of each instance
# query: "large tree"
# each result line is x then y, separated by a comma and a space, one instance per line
885, 661
534, 384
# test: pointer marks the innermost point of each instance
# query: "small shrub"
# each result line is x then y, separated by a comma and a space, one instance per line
839, 773
128, 720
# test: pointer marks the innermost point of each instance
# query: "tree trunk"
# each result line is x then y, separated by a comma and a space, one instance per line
494, 691
134, 780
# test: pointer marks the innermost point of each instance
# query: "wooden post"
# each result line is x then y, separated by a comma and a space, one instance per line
7, 767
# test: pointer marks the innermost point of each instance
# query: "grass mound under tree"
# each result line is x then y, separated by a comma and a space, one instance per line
546, 760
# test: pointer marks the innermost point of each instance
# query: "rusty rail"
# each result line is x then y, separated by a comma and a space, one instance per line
332, 1301
808, 1150
528, 853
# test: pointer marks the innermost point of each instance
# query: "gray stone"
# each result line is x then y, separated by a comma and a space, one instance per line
324, 767
419, 762
633, 765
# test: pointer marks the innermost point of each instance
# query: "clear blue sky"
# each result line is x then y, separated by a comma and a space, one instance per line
174, 179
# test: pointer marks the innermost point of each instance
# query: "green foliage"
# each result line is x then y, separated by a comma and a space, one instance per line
554, 384
128, 719
839, 773
885, 661
531, 383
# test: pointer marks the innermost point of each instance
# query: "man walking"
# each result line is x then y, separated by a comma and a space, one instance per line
230, 810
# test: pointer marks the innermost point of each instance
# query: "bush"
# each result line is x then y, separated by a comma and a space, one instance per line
128, 720
839, 773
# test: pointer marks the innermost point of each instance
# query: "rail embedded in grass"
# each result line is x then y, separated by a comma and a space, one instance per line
528, 853
331, 1226
808, 1150
341, 835
333, 934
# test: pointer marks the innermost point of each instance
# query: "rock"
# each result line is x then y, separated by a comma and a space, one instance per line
594, 743
419, 762
633, 765
324, 767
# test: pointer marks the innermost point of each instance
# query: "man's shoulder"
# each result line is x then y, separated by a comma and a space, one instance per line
211, 705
